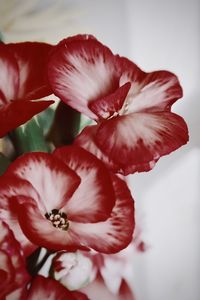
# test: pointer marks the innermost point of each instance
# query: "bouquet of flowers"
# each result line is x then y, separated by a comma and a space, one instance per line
66, 211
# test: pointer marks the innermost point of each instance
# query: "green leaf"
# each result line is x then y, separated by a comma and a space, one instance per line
4, 163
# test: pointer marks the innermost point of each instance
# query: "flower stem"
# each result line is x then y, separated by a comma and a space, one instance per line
32, 264
29, 138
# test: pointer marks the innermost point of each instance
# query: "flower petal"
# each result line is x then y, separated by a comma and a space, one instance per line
141, 138
48, 288
9, 75
107, 106
82, 70
94, 199
52, 179
41, 231
10, 188
31, 58
86, 140
115, 233
18, 112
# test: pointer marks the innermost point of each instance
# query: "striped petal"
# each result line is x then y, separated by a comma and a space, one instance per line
94, 199
141, 138
53, 180
155, 91
116, 232
81, 71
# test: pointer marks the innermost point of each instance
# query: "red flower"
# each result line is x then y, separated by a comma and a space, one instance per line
13, 275
66, 201
135, 125
23, 80
47, 288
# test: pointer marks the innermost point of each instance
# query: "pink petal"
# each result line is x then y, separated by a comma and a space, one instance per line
81, 71
115, 233
98, 290
9, 76
52, 179
140, 138
86, 140
31, 58
41, 231
156, 92
47, 288
12, 263
109, 105
94, 199
18, 112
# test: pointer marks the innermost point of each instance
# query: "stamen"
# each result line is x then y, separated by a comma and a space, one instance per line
58, 219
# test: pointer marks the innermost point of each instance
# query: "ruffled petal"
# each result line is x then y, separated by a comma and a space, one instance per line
115, 233
82, 70
9, 76
19, 112
94, 199
157, 91
141, 138
48, 288
52, 179
31, 58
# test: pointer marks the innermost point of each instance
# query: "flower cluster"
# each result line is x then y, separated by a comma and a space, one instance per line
63, 188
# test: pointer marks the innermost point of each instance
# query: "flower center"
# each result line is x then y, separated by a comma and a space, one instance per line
58, 219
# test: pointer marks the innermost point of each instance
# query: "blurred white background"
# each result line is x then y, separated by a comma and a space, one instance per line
155, 34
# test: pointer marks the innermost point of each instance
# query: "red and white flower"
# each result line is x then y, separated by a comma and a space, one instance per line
48, 288
22, 81
13, 275
67, 200
135, 125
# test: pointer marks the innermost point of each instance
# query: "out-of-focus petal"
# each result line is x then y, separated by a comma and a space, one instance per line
48, 288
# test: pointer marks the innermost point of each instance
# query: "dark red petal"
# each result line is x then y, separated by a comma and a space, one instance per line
141, 138
81, 71
32, 59
47, 288
94, 199
109, 105
51, 178
115, 233
12, 262
18, 112
9, 74
86, 140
